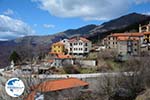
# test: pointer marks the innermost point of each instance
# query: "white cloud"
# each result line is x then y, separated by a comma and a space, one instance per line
12, 28
86, 9
48, 26
141, 1
8, 12
146, 13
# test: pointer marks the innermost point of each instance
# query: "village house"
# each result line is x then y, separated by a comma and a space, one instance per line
79, 46
61, 59
58, 59
61, 89
58, 47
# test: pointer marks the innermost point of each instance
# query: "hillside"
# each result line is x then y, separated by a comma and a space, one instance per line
125, 23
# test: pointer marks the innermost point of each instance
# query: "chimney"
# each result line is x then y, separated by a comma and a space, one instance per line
78, 37
140, 28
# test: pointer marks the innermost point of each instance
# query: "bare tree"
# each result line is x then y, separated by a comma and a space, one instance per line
133, 79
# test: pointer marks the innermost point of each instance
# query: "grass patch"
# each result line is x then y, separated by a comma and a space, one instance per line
114, 65
87, 70
92, 55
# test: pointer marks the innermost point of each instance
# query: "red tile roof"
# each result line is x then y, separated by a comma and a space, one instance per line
31, 96
146, 33
50, 61
57, 85
122, 38
127, 38
58, 43
61, 84
127, 34
62, 56
80, 38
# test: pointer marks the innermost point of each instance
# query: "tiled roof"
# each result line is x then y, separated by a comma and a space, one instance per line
127, 34
58, 43
146, 33
80, 38
57, 85
62, 56
122, 38
31, 96
127, 38
50, 61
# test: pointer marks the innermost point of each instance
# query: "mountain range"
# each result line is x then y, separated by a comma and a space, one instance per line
126, 23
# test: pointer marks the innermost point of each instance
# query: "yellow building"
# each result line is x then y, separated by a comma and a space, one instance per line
147, 37
58, 47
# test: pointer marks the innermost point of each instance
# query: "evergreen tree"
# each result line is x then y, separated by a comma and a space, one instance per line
15, 57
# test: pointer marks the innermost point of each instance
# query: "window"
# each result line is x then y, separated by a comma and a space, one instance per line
135, 44
70, 44
129, 42
135, 50
80, 43
70, 49
75, 43
75, 49
85, 49
86, 44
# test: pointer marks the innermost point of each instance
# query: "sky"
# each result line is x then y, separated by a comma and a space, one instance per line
20, 18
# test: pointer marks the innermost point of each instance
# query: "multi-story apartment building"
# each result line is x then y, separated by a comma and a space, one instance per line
112, 40
74, 46
79, 46
128, 45
144, 28
146, 38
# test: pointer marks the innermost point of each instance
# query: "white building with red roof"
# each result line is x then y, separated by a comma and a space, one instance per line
79, 46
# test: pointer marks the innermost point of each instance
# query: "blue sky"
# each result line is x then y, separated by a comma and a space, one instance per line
44, 17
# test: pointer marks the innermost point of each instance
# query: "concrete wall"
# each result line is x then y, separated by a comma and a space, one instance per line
86, 63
